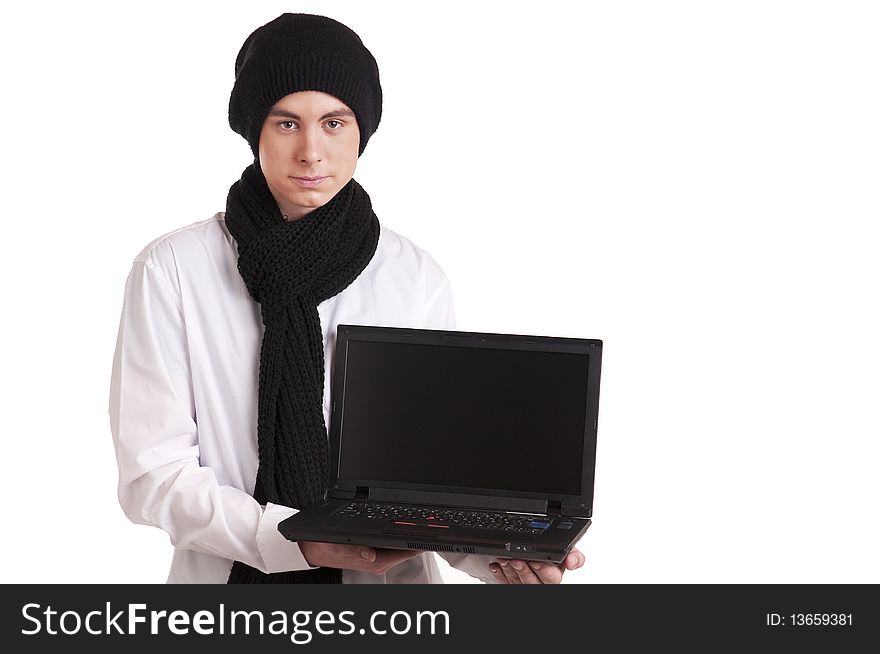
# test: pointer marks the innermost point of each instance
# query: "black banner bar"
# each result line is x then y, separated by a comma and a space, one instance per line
433, 618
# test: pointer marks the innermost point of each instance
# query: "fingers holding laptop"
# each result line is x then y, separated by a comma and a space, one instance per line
515, 571
353, 557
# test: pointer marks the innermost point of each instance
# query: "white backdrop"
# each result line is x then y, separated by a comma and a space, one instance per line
695, 183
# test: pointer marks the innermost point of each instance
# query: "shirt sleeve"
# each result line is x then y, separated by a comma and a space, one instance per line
155, 433
476, 565
440, 313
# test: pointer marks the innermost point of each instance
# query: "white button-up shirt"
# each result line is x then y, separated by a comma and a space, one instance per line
183, 397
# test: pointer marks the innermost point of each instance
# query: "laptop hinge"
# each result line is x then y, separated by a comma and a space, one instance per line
361, 493
554, 508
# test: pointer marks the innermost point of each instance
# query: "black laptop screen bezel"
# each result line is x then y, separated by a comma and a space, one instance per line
574, 505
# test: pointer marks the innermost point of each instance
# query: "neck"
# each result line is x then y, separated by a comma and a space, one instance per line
294, 213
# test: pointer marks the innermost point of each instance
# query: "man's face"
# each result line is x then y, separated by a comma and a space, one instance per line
308, 150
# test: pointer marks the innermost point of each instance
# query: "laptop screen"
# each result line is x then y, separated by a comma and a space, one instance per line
474, 417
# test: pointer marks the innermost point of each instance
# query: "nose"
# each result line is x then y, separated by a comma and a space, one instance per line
309, 150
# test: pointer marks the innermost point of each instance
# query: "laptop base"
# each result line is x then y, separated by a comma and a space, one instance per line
318, 523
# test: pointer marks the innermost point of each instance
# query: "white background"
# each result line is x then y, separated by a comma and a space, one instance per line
695, 183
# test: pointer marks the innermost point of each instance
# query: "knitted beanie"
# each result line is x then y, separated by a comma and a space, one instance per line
302, 52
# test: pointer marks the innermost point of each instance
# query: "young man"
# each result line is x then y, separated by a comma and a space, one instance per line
220, 388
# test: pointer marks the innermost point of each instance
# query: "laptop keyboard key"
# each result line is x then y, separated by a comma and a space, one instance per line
445, 518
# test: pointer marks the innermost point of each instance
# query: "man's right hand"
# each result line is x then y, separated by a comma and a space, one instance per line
354, 557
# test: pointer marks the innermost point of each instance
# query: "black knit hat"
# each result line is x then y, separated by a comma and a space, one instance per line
302, 52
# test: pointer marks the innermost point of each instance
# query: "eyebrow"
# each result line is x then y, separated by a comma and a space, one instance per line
283, 113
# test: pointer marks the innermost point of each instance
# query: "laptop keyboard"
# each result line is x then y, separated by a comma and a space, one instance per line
444, 518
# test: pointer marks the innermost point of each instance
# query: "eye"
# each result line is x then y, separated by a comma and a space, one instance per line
334, 124
284, 125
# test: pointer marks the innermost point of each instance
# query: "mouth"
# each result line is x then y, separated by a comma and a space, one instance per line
309, 182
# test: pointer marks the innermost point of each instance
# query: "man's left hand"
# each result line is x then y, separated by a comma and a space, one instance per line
516, 571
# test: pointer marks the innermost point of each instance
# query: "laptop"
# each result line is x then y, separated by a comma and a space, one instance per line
453, 441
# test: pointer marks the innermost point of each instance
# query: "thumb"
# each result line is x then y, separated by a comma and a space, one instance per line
574, 560
368, 554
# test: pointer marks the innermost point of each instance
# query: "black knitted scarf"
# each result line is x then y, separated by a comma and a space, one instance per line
289, 267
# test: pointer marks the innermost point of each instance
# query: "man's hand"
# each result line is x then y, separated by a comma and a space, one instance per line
353, 557
515, 571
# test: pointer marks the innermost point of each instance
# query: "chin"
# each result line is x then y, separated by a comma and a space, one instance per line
313, 202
